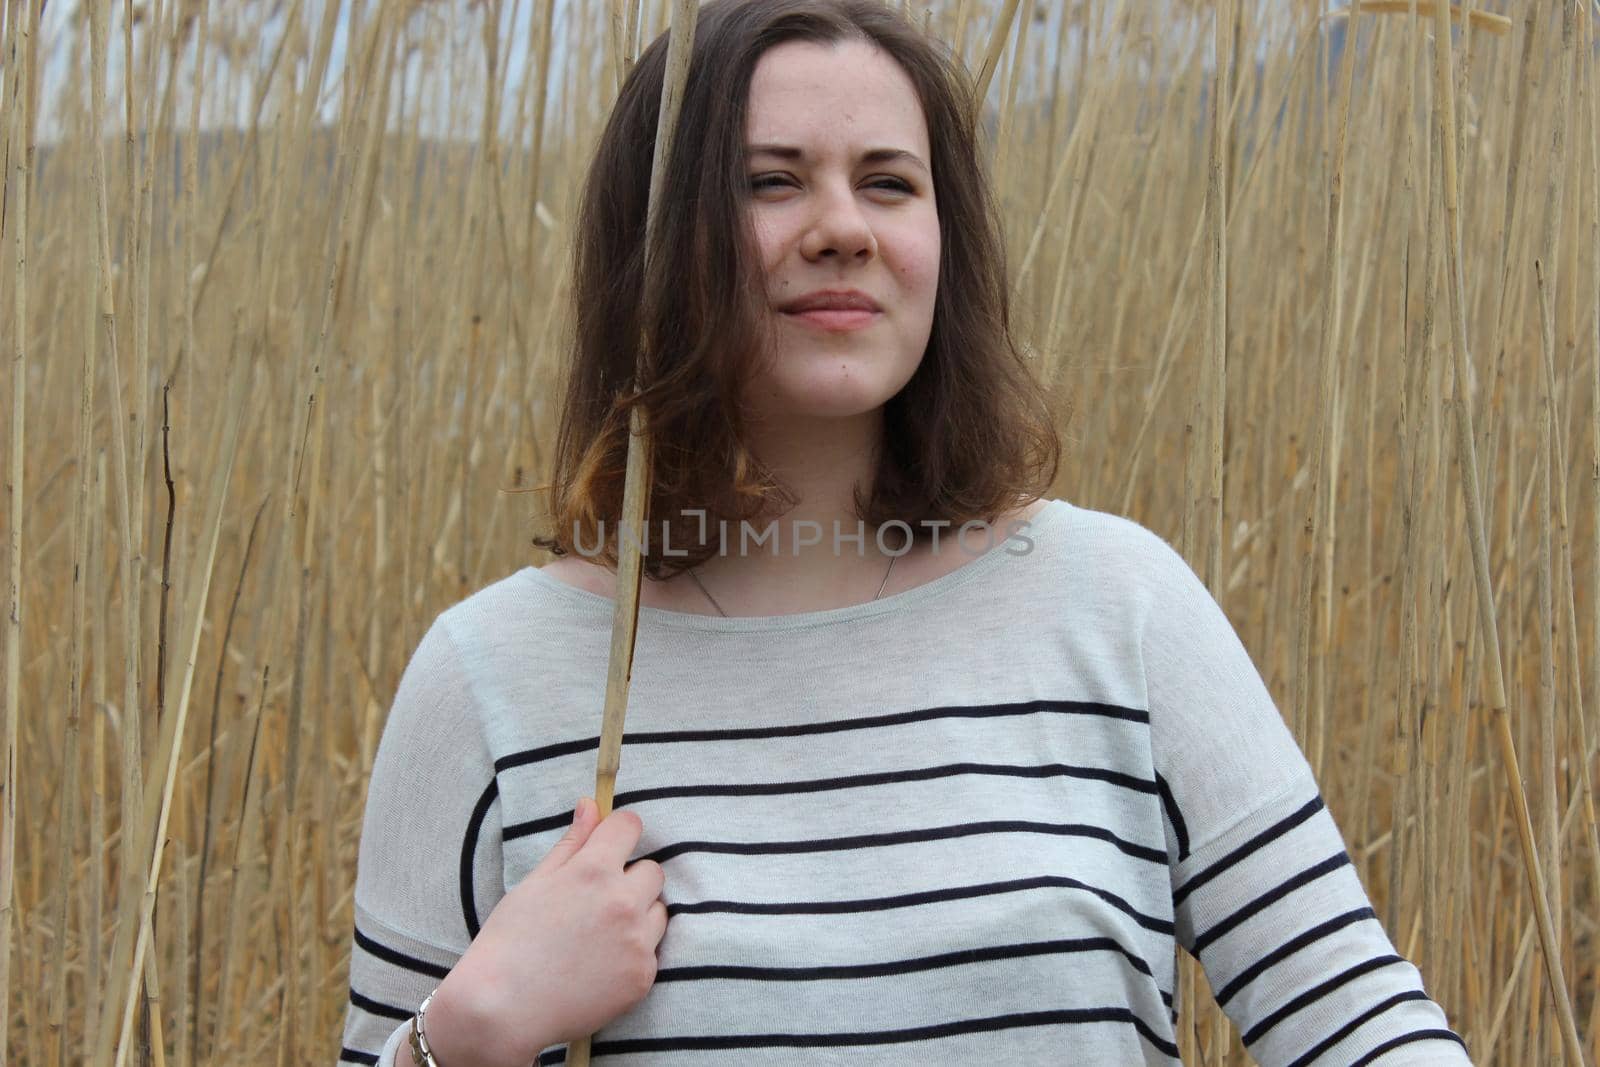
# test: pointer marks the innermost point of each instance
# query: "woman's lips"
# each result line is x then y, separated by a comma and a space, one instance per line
838, 319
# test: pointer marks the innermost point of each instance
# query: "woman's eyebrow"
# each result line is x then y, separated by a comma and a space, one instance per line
871, 155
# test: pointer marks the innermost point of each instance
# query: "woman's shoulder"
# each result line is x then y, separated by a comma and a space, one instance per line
581, 573
1108, 542
516, 614
588, 576
490, 605
1107, 568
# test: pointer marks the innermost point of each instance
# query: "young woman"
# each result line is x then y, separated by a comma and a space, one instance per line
889, 794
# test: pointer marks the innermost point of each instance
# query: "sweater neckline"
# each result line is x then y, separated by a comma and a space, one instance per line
979, 565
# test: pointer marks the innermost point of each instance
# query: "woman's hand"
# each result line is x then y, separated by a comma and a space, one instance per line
565, 951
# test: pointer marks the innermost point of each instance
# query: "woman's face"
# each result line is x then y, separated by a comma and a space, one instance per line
832, 210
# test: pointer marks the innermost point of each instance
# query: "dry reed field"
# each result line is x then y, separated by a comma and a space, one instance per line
283, 293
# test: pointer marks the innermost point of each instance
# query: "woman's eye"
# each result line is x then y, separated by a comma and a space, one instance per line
769, 180
894, 183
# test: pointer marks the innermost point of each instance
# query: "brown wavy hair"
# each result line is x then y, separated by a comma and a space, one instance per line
970, 436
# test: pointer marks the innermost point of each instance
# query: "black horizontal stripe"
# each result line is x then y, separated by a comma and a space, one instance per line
635, 797
909, 966
1354, 1024
1406, 1039
1179, 828
1271, 833
1289, 948
398, 958
1271, 896
1316, 993
350, 1055
867, 722
907, 837
377, 1007
911, 900
718, 1042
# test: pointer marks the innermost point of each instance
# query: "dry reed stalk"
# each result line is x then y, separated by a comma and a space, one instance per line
1515, 247
167, 751
1094, 112
1524, 941
1399, 151
634, 33
1513, 165
1087, 114
490, 159
191, 180
130, 503
1444, 107
1013, 78
1585, 754
637, 479
1209, 410
991, 58
617, 44
1060, 113
132, 216
230, 198
19, 148
1545, 721
372, 662
544, 28
138, 237
1549, 801
1217, 333
1315, 522
56, 1037
308, 438
181, 901
207, 821
959, 38
1483, 20
1414, 407
132, 496
247, 822
11, 16
1164, 358
94, 879
365, 126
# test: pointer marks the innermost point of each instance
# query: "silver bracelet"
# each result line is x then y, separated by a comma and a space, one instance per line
420, 1052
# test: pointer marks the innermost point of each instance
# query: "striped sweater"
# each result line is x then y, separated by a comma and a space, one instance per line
964, 823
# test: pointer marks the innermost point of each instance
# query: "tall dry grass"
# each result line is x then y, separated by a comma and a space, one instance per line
272, 389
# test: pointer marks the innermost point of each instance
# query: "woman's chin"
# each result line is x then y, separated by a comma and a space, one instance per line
831, 392
842, 403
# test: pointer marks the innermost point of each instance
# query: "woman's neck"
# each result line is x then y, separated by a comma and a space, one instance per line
819, 553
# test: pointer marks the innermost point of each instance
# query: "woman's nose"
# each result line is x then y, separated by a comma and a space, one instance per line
838, 227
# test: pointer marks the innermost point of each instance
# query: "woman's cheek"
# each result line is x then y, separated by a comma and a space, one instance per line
920, 274
768, 240
921, 268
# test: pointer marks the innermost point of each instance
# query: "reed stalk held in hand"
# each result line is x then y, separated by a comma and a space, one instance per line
637, 480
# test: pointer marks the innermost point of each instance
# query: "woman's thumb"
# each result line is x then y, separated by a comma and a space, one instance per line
583, 821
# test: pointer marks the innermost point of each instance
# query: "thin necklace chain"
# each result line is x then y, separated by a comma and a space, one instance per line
724, 614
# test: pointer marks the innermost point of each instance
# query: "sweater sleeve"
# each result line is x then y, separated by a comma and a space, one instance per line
1264, 893
429, 861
